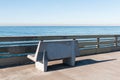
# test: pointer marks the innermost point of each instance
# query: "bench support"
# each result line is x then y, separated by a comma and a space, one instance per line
42, 65
69, 61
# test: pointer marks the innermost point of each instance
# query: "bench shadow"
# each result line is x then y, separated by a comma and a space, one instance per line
78, 63
64, 66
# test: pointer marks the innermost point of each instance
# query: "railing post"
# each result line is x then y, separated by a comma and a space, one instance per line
116, 41
74, 39
98, 43
41, 40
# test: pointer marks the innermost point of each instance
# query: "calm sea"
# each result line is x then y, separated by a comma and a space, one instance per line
57, 30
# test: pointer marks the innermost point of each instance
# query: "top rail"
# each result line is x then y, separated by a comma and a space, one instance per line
27, 38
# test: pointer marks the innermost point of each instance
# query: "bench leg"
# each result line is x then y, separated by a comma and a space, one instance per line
69, 61
42, 65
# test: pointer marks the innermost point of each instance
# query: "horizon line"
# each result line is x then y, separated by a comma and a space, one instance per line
59, 25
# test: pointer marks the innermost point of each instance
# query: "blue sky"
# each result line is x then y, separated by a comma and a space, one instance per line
59, 12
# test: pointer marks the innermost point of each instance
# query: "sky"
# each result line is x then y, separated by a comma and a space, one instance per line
59, 12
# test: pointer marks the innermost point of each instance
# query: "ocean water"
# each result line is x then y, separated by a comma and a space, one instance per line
58, 30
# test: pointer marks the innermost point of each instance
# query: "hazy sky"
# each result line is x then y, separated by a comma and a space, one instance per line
59, 12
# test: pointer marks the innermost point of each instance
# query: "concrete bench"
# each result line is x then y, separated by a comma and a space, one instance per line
54, 50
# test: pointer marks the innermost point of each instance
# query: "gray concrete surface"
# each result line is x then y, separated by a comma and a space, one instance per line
93, 67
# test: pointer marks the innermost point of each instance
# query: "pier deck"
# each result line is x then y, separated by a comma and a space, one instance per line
94, 67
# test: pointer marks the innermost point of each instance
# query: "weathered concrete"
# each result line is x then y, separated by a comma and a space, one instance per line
52, 50
94, 67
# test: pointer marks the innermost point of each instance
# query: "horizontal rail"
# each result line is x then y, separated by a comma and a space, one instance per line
27, 38
107, 42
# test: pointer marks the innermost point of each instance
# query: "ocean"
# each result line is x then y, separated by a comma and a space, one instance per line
58, 30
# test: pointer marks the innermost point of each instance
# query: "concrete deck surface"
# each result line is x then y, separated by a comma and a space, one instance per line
93, 67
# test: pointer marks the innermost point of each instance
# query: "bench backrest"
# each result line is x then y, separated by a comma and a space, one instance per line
57, 49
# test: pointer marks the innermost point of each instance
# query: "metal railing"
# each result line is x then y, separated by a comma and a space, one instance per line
20, 46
